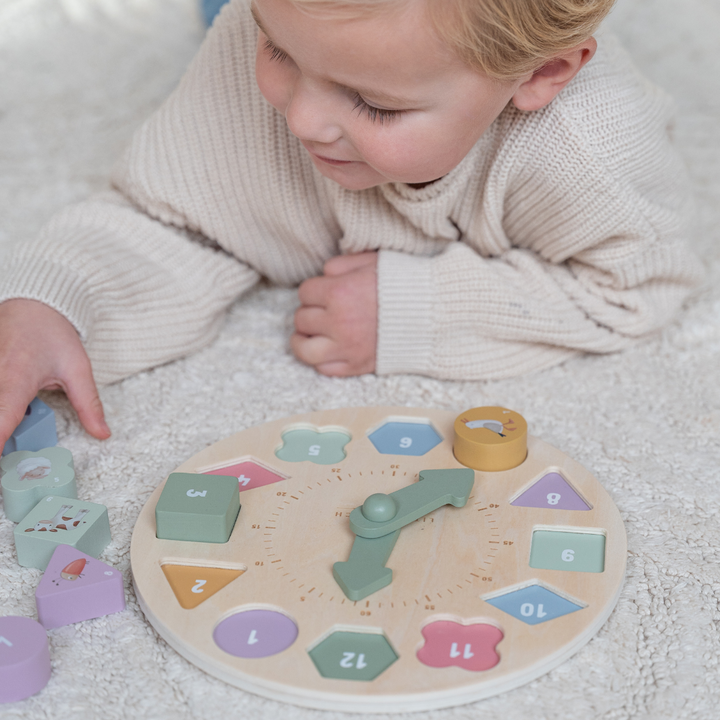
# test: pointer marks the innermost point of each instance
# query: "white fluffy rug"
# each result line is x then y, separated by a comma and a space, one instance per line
76, 77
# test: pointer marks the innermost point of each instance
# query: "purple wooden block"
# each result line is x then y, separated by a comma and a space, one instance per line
24, 658
255, 633
551, 491
77, 587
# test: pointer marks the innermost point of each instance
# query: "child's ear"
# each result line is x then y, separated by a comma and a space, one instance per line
544, 84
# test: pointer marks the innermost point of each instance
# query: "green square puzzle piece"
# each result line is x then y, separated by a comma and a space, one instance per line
198, 508
61, 521
570, 551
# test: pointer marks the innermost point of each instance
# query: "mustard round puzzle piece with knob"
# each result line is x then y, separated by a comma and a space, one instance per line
490, 439
385, 559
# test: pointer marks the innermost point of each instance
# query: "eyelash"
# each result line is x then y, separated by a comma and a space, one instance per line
372, 113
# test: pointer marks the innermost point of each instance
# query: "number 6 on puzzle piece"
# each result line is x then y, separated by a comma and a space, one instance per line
30, 476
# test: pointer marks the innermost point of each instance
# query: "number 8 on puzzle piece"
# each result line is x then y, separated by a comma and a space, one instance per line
28, 477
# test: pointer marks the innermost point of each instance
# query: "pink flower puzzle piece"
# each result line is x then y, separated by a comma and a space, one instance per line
24, 658
77, 587
471, 647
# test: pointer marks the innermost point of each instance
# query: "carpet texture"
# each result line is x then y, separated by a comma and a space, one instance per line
76, 77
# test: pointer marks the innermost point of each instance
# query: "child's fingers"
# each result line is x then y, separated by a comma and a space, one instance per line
314, 350
311, 320
83, 395
14, 400
342, 264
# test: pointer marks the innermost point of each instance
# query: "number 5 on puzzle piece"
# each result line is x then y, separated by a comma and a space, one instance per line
61, 521
30, 476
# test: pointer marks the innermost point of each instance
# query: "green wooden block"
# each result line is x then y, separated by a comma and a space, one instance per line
198, 508
353, 656
28, 477
61, 521
573, 551
380, 515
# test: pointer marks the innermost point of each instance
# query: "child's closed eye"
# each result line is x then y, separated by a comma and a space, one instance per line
370, 111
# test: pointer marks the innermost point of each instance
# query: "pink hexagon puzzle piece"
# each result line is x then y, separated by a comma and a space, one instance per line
77, 587
471, 647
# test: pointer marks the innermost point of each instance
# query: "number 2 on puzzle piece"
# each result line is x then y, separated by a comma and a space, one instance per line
28, 477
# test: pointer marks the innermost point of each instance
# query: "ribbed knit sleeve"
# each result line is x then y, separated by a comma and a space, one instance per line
577, 242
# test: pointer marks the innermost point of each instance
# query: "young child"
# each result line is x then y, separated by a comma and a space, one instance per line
461, 188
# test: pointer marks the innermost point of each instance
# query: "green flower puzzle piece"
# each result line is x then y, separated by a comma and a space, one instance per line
320, 447
28, 477
61, 521
378, 522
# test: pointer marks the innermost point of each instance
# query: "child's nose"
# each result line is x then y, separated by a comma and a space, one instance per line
310, 115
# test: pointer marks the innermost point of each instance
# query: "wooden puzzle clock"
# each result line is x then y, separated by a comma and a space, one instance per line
379, 559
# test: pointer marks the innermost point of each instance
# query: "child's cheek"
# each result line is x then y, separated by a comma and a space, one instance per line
272, 82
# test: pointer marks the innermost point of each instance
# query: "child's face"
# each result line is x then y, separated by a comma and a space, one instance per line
375, 98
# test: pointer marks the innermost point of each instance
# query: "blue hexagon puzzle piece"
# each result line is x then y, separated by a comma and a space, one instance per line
534, 604
36, 431
405, 438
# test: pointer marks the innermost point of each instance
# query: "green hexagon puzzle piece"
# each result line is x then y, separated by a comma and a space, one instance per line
28, 477
320, 447
61, 521
353, 656
198, 508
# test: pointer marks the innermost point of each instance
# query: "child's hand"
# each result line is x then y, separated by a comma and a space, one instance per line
336, 324
40, 350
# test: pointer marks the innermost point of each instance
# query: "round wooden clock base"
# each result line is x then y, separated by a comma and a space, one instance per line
482, 598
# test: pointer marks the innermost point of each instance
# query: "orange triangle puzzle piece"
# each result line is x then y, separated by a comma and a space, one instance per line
193, 584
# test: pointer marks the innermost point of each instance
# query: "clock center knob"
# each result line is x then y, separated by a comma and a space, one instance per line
379, 507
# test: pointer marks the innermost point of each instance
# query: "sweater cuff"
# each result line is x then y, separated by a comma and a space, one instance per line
49, 283
405, 313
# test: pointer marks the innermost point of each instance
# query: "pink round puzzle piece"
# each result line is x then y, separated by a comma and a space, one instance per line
471, 647
24, 658
255, 633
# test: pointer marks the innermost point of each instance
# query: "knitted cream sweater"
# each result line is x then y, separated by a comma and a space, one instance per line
561, 231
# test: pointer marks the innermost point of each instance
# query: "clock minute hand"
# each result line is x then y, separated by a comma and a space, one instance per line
392, 512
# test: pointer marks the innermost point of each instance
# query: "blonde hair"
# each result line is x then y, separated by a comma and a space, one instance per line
504, 39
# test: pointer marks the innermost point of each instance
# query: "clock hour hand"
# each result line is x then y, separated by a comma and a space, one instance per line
378, 522
382, 514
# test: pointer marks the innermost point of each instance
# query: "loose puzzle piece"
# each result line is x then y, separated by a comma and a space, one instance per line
28, 477
77, 587
405, 438
24, 658
353, 656
198, 508
193, 585
551, 491
434, 489
61, 521
37, 429
534, 604
255, 633
490, 439
320, 447
471, 647
250, 474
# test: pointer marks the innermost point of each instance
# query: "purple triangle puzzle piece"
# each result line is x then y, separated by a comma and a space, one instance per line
551, 491
77, 587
